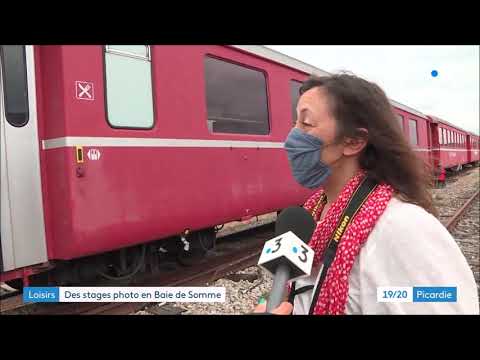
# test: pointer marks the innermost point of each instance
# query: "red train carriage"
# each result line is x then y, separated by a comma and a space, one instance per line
130, 144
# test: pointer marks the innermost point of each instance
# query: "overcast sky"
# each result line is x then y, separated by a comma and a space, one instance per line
405, 74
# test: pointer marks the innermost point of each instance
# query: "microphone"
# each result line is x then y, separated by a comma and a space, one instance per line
287, 256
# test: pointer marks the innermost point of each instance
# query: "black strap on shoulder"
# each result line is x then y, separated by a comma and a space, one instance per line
294, 292
355, 203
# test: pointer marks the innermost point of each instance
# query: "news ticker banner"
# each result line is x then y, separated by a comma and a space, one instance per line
417, 294
209, 294
124, 294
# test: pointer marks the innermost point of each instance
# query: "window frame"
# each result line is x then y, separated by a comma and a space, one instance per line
25, 116
416, 132
401, 118
291, 100
243, 65
149, 58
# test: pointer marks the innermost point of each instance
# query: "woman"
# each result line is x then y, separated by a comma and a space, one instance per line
346, 131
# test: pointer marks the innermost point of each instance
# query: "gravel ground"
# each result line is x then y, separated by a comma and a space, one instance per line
241, 296
458, 189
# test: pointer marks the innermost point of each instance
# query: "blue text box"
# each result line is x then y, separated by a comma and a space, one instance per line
434, 294
41, 294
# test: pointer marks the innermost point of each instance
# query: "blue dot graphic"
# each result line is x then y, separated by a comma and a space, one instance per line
434, 73
269, 251
294, 250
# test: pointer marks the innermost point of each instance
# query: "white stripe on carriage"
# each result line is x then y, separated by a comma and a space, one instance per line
70, 141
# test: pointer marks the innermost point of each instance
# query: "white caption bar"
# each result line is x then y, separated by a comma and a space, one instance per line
142, 294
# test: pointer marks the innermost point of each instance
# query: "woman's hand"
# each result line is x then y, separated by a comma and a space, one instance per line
285, 308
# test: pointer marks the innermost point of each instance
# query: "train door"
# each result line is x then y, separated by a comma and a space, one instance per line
22, 241
469, 148
434, 134
429, 142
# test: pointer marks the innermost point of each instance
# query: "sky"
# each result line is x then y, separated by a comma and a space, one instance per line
405, 74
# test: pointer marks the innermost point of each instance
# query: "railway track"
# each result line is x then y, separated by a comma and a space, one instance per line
465, 228
452, 222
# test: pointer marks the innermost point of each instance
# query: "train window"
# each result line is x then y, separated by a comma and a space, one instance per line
15, 89
412, 124
140, 51
400, 120
444, 140
294, 96
128, 78
236, 98
440, 136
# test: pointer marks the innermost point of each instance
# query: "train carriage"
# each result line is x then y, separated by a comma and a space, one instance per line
130, 144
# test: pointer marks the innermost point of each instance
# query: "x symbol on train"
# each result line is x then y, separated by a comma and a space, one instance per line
84, 90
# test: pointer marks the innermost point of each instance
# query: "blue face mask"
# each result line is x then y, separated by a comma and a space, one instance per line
304, 156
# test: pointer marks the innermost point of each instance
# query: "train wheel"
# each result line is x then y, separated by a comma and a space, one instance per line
199, 244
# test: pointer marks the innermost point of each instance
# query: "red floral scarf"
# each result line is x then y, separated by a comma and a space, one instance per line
332, 299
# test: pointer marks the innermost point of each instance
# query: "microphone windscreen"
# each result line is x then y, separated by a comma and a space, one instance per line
298, 220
